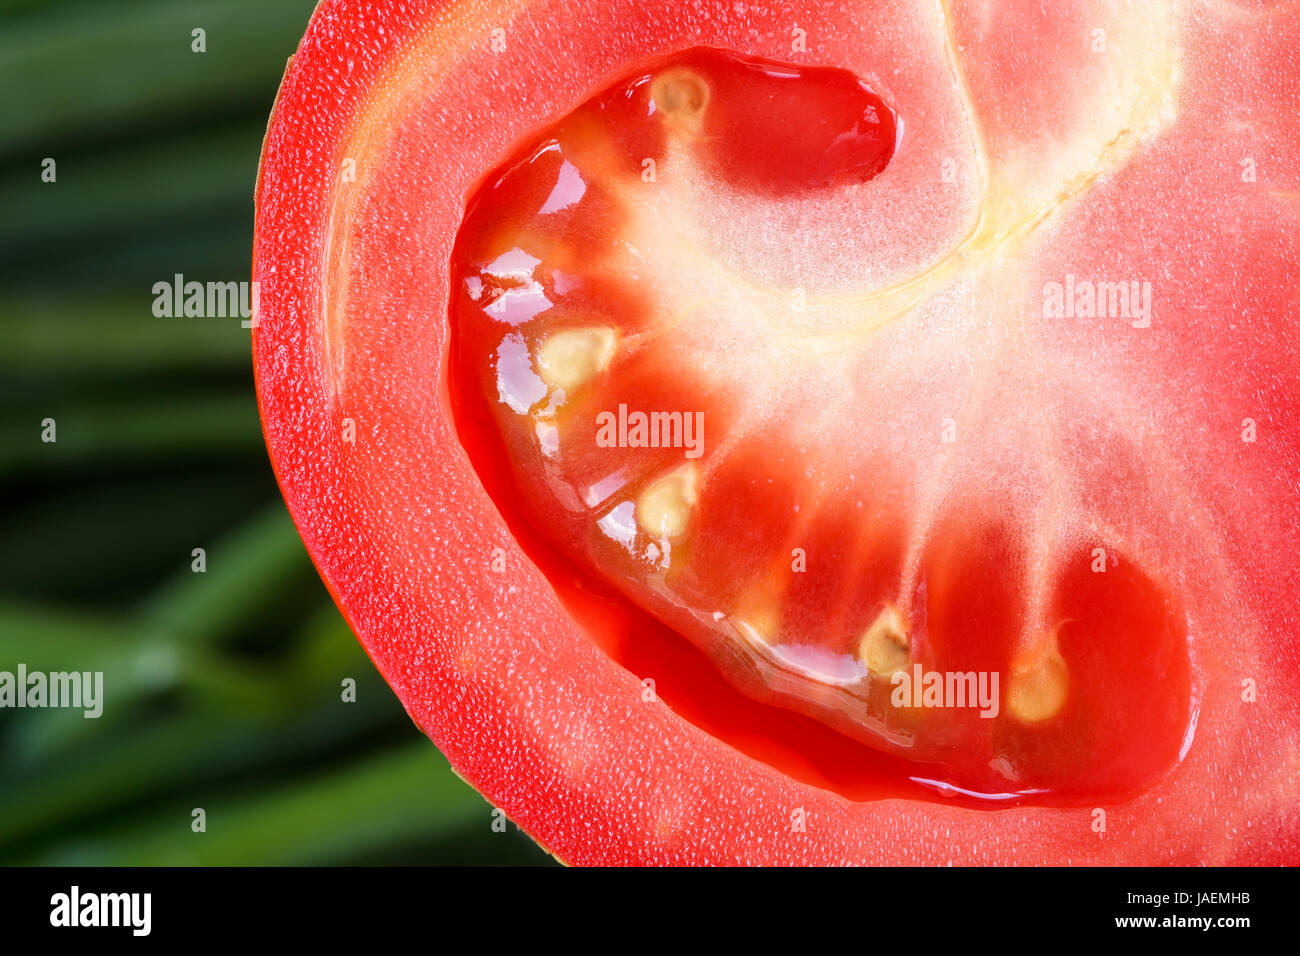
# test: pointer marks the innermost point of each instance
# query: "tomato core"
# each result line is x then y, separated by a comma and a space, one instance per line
647, 446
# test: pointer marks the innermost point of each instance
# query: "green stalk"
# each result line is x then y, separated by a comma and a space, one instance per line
110, 776
407, 794
89, 71
246, 570
155, 181
209, 426
115, 336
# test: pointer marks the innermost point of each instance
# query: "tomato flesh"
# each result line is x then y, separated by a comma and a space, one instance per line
657, 456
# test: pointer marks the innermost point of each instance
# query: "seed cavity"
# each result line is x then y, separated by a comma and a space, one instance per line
1040, 683
569, 358
885, 647
681, 96
664, 509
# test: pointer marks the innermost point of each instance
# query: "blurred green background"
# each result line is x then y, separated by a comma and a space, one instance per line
222, 689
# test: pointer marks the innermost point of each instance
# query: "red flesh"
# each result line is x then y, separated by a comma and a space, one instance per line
533, 258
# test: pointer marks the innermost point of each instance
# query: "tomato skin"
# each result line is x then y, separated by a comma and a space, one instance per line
352, 333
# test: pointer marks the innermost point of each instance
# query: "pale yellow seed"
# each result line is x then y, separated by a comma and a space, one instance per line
1040, 684
664, 508
757, 623
682, 96
570, 357
884, 648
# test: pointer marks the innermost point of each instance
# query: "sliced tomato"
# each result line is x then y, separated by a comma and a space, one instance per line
750, 440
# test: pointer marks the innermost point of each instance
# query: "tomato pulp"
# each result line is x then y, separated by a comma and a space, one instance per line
781, 549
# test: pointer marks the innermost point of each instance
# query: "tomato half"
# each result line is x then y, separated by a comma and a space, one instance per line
749, 437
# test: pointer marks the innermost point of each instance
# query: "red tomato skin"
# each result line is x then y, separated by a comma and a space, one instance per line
491, 666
